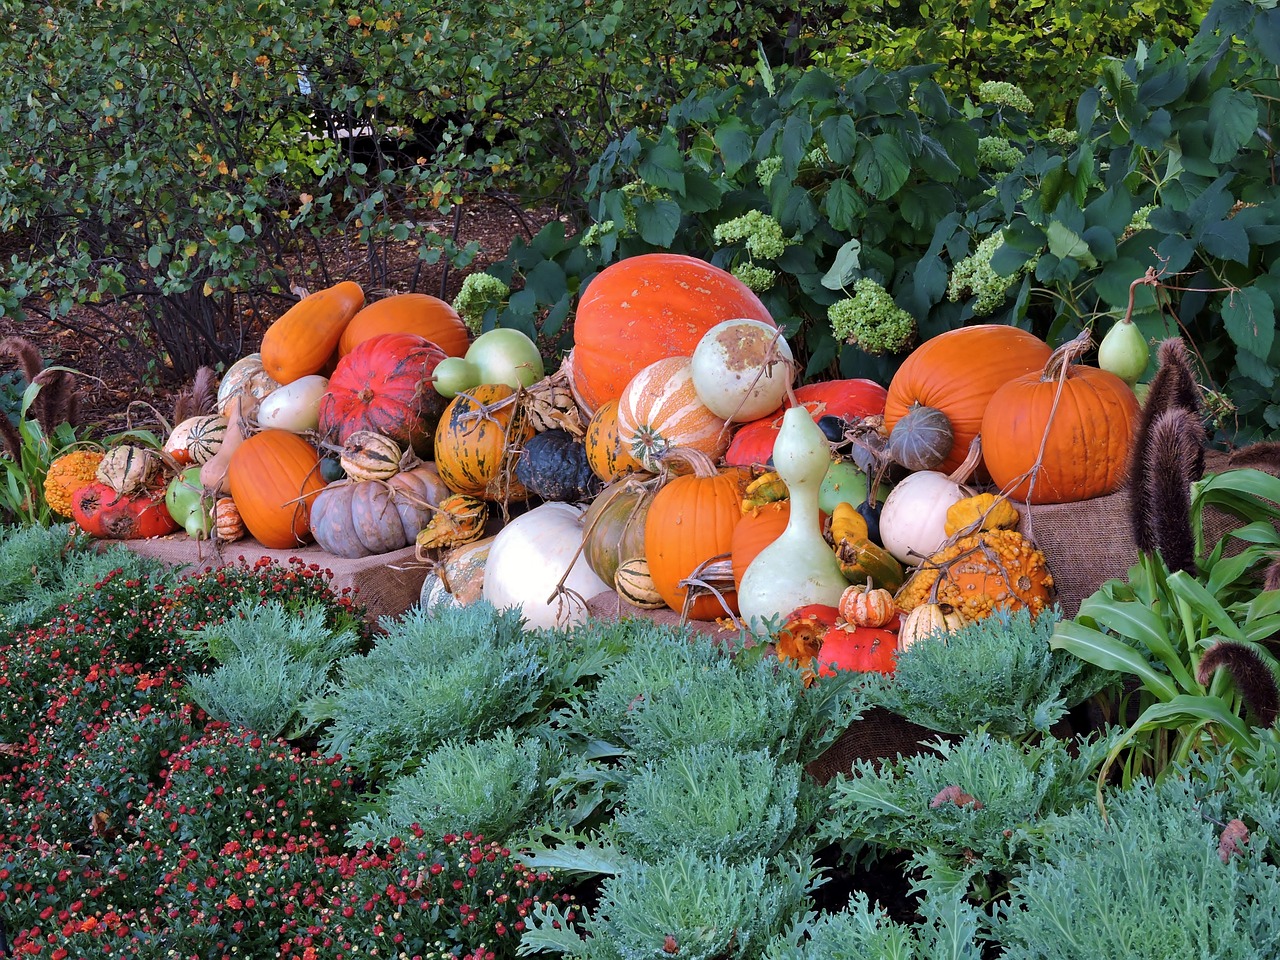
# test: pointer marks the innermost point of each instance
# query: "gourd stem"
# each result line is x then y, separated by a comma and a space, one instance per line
962, 473
702, 465
1060, 361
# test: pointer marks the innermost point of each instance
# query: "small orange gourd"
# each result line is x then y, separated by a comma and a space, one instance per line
865, 606
306, 335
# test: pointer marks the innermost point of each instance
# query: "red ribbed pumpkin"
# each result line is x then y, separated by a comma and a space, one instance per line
429, 317
274, 476
646, 308
660, 410
384, 385
691, 520
848, 399
957, 372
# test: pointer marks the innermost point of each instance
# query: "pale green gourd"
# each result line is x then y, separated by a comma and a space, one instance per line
799, 567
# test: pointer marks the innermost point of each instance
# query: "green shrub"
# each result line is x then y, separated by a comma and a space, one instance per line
461, 673
493, 787
1149, 881
999, 674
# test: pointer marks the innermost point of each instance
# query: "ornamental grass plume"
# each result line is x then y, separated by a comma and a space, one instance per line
57, 402
1250, 674
1166, 458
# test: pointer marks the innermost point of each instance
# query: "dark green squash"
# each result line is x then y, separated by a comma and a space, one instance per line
922, 439
553, 465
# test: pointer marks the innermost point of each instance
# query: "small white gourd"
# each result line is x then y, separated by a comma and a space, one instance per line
913, 519
799, 567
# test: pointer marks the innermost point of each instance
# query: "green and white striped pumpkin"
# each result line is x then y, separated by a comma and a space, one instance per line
634, 584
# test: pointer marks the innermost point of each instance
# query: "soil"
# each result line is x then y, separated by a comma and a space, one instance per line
119, 391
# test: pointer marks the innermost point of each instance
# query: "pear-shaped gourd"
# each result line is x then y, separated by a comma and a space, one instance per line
799, 567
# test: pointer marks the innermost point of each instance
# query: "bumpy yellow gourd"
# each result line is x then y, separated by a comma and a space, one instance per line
66, 475
984, 511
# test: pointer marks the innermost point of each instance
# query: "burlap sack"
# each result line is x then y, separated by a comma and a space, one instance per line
1090, 542
387, 584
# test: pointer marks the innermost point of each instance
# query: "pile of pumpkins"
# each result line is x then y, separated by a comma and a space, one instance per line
672, 459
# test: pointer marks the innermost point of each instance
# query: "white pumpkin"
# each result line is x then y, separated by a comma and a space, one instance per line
295, 406
739, 371
530, 555
914, 516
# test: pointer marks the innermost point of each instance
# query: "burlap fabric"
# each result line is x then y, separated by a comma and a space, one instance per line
1090, 542
387, 584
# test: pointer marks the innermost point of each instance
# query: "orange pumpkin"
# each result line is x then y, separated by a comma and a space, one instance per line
274, 475
957, 372
660, 410
478, 441
305, 337
754, 532
1085, 433
429, 317
691, 520
607, 458
646, 308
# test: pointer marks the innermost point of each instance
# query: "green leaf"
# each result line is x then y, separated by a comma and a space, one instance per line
1250, 319
663, 167
658, 221
236, 234
1107, 652
1226, 240
734, 143
846, 266
796, 134
1233, 118
797, 214
844, 208
881, 166
1203, 604
1065, 243
841, 138
547, 281
1143, 627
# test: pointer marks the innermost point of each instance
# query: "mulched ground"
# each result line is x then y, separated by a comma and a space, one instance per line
116, 391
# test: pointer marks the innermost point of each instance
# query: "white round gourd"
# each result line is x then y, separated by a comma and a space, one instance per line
530, 555
734, 370
914, 516
295, 406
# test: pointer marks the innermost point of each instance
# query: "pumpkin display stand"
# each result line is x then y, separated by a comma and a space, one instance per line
387, 584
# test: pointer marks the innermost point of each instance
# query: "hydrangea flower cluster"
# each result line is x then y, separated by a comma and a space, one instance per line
480, 292
973, 276
761, 234
871, 320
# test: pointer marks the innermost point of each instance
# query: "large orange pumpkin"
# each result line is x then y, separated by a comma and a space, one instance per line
305, 337
646, 308
660, 410
274, 475
957, 372
605, 455
478, 442
429, 317
1085, 433
690, 521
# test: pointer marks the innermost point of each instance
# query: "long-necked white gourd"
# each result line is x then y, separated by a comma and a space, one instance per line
799, 567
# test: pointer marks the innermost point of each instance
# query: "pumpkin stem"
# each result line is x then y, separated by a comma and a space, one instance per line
1060, 361
701, 464
962, 473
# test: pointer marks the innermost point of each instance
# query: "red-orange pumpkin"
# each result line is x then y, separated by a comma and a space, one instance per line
605, 454
860, 649
690, 521
274, 476
646, 308
429, 317
957, 372
1085, 439
303, 339
847, 399
660, 410
478, 442
384, 385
